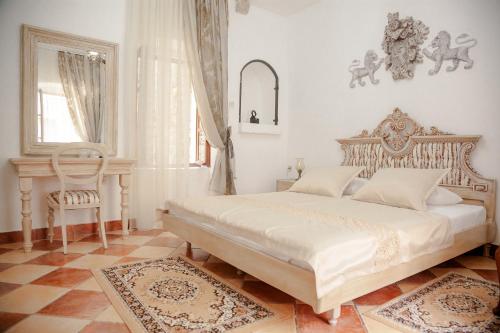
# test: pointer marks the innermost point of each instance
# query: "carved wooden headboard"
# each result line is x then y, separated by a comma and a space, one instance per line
400, 142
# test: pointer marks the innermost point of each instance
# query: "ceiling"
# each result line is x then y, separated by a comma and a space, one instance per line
283, 7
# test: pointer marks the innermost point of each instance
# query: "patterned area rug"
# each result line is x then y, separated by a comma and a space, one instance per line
451, 303
175, 295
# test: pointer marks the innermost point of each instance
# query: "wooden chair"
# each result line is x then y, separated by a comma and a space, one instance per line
77, 199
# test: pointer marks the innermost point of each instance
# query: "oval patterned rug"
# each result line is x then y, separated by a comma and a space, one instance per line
175, 295
448, 304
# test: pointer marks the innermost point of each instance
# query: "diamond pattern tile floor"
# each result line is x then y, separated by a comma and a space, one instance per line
45, 245
4, 266
415, 281
93, 261
64, 277
8, 287
146, 251
55, 259
309, 322
58, 292
81, 247
8, 320
170, 241
108, 327
131, 240
109, 315
30, 298
116, 250
41, 323
82, 304
96, 239
18, 256
474, 262
379, 296
90, 284
24, 273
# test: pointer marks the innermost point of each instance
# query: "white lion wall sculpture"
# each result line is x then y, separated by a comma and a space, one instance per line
443, 51
358, 73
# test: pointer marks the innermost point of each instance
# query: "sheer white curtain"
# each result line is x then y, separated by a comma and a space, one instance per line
159, 102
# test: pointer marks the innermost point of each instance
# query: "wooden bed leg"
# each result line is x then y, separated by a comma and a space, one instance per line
486, 250
496, 310
189, 250
333, 315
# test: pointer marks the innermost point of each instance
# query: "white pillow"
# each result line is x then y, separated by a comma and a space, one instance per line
355, 185
442, 197
401, 187
326, 181
439, 197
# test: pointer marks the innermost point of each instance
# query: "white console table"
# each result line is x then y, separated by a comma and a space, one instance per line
30, 167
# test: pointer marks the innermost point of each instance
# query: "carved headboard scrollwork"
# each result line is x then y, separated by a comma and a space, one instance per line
400, 142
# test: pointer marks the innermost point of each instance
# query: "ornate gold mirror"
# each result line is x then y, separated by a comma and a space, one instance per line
69, 90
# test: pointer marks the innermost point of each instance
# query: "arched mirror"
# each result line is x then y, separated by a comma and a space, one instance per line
259, 86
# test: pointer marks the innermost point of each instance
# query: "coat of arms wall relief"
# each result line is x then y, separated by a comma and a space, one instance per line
402, 40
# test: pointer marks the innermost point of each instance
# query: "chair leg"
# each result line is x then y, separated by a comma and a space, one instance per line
102, 227
51, 224
63, 230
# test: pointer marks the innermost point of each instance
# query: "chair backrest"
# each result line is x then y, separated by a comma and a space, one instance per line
96, 177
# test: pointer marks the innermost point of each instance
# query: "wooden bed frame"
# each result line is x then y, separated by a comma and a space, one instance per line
398, 141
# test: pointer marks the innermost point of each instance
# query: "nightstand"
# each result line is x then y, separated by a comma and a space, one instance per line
284, 184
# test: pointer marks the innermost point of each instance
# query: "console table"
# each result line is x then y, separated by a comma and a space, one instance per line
29, 167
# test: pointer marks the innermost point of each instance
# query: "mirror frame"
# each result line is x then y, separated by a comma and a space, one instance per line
29, 76
276, 87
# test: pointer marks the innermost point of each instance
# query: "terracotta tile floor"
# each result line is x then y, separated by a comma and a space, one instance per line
47, 291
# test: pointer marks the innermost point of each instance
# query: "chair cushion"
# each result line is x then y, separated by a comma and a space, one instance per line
76, 197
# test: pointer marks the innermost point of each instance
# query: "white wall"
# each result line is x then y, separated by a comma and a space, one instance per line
260, 159
326, 37
92, 18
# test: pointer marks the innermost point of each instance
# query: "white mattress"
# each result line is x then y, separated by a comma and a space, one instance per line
461, 216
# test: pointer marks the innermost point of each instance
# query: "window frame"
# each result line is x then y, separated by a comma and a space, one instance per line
198, 131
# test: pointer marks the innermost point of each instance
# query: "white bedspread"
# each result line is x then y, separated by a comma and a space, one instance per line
338, 238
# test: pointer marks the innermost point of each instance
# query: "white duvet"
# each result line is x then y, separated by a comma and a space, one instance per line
355, 238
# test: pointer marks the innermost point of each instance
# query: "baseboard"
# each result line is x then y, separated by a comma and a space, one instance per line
74, 231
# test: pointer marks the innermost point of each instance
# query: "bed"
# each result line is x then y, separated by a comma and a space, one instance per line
327, 279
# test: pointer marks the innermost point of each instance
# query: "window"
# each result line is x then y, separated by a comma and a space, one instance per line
54, 120
199, 148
